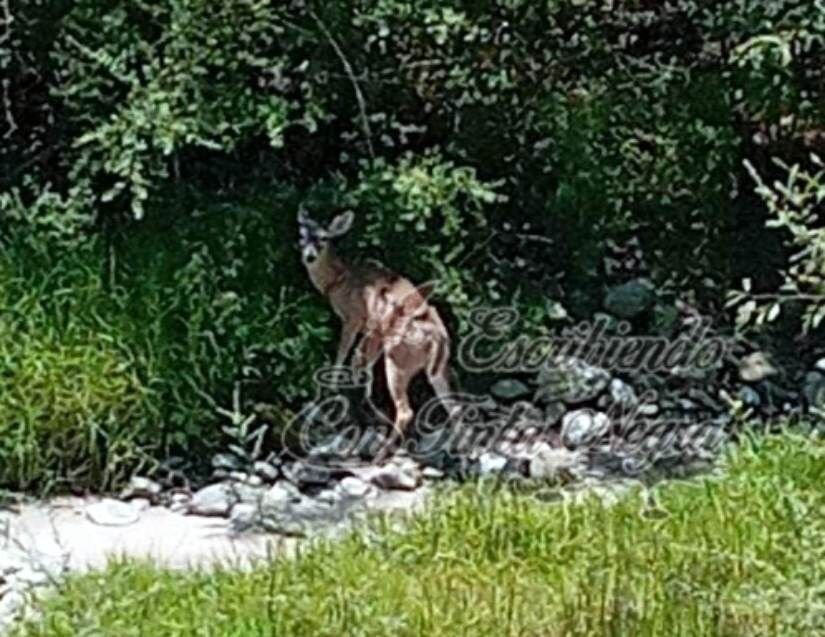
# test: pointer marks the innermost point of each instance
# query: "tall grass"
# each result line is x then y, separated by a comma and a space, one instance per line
741, 555
113, 360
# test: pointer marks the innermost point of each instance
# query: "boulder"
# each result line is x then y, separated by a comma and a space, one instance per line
570, 380
630, 299
267, 471
583, 427
111, 512
547, 463
622, 394
214, 500
140, 487
509, 389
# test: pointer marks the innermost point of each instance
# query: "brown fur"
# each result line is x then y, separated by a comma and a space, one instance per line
394, 317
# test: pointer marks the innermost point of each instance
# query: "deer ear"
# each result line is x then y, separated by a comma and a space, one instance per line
303, 217
341, 224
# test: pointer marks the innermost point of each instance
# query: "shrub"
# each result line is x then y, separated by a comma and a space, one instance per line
796, 206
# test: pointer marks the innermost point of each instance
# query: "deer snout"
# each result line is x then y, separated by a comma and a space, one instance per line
310, 254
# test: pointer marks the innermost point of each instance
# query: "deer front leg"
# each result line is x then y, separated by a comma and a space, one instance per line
349, 332
367, 352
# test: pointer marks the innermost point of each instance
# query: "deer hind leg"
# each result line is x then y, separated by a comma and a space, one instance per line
398, 381
438, 374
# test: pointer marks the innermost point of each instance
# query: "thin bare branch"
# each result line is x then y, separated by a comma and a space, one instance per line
359, 96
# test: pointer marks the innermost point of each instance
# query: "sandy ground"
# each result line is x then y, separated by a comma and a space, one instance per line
61, 529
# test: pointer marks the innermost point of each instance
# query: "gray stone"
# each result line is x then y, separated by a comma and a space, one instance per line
179, 502
397, 478
307, 474
267, 471
279, 494
622, 394
749, 396
553, 413
225, 461
353, 488
431, 473
140, 487
301, 516
630, 299
491, 464
547, 463
509, 389
583, 427
648, 409
243, 516
755, 367
110, 512
214, 500
570, 380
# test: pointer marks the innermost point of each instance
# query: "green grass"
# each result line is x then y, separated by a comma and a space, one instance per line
104, 370
740, 555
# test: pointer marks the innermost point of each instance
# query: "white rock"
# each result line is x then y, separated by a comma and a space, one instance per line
110, 512
491, 464
582, 427
214, 500
551, 464
354, 488
243, 516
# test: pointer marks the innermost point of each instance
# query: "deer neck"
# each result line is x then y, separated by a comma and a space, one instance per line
328, 271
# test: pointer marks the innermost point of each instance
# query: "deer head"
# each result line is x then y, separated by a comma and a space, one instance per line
314, 240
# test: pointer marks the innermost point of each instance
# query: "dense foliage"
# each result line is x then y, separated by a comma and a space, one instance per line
154, 154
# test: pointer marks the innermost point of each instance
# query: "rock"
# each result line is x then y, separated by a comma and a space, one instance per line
142, 488
214, 500
392, 477
686, 404
491, 464
749, 396
547, 463
298, 518
110, 512
280, 493
307, 474
353, 488
648, 409
553, 413
755, 367
583, 427
267, 471
570, 380
431, 473
179, 502
813, 390
509, 389
630, 299
226, 461
622, 394
243, 516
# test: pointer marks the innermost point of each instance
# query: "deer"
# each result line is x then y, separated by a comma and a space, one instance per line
387, 310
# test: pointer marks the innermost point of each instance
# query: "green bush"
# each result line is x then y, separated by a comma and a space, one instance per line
104, 368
